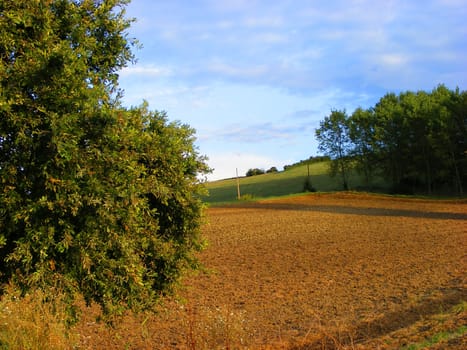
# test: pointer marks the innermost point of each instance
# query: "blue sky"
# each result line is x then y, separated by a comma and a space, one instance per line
255, 77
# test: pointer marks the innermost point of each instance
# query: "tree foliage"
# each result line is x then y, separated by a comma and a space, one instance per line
254, 172
333, 137
272, 169
416, 140
362, 137
96, 199
310, 160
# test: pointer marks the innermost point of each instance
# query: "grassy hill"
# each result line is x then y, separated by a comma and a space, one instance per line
290, 181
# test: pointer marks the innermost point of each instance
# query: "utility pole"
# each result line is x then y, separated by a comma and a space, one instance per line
238, 185
308, 186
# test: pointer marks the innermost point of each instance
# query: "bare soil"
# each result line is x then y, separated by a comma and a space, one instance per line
330, 271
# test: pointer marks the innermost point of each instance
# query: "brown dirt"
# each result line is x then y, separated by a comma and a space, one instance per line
313, 272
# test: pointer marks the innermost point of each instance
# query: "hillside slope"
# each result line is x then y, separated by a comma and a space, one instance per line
290, 181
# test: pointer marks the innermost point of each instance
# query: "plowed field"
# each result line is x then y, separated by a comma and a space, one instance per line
317, 271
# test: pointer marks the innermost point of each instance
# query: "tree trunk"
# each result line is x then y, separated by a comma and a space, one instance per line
457, 178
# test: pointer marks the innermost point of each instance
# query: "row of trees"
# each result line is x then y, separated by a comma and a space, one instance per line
415, 140
96, 200
258, 171
310, 160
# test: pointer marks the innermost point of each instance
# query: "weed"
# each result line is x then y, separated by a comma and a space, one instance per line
326, 335
216, 328
247, 197
438, 338
30, 323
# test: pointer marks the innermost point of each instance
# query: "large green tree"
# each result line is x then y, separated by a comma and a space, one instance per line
362, 135
451, 140
96, 200
392, 136
333, 137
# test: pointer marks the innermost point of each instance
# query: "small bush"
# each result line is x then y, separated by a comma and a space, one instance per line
247, 197
307, 186
272, 170
255, 171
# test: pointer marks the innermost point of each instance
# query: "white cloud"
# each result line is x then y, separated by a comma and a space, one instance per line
300, 46
259, 133
454, 3
143, 70
236, 71
269, 38
232, 5
226, 164
263, 22
393, 59
180, 101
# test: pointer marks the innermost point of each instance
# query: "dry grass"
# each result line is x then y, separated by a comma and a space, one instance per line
216, 328
30, 323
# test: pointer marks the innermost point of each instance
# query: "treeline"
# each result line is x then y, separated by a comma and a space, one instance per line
311, 160
415, 140
258, 171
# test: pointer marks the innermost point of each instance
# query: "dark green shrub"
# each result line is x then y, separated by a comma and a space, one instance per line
254, 171
307, 186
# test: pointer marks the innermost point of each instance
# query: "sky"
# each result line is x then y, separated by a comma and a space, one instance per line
254, 78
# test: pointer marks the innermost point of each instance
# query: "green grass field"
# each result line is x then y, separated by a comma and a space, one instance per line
288, 182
